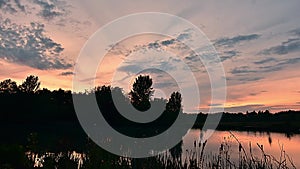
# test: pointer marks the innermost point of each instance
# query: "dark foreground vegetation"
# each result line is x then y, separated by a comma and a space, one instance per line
35, 120
32, 155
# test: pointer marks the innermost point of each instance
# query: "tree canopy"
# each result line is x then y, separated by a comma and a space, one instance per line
8, 86
141, 92
30, 85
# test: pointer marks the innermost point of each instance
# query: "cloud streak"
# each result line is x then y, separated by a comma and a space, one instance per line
288, 46
230, 42
266, 60
265, 69
66, 74
226, 55
291, 45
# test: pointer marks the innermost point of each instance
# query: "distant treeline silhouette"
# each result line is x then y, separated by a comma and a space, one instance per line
27, 108
284, 121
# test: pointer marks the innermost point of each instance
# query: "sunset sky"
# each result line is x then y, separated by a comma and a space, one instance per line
258, 43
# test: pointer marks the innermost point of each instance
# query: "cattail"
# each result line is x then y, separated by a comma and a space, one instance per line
240, 147
221, 148
204, 143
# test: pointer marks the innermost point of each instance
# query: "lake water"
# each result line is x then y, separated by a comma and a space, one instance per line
272, 143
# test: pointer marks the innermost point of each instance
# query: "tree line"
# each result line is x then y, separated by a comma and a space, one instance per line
28, 107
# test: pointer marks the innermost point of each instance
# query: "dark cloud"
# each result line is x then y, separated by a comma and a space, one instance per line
244, 79
279, 65
267, 60
176, 41
19, 5
11, 6
253, 94
47, 9
228, 55
158, 45
288, 46
184, 36
207, 56
244, 74
230, 42
215, 105
192, 58
66, 73
242, 70
256, 93
168, 42
154, 45
223, 44
174, 44
246, 70
250, 79
266, 69
289, 61
291, 45
50, 9
28, 45
297, 102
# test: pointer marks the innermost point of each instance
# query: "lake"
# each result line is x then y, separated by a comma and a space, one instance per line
272, 143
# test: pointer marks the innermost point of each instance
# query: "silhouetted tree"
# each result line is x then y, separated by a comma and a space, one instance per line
174, 103
267, 112
8, 86
30, 85
141, 93
44, 92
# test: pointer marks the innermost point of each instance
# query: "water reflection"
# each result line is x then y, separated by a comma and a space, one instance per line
222, 149
39, 160
272, 143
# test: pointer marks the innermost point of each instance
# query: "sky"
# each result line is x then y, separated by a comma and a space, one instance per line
258, 43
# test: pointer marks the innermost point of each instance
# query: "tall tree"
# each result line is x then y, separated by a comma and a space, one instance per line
141, 93
174, 103
8, 86
30, 85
